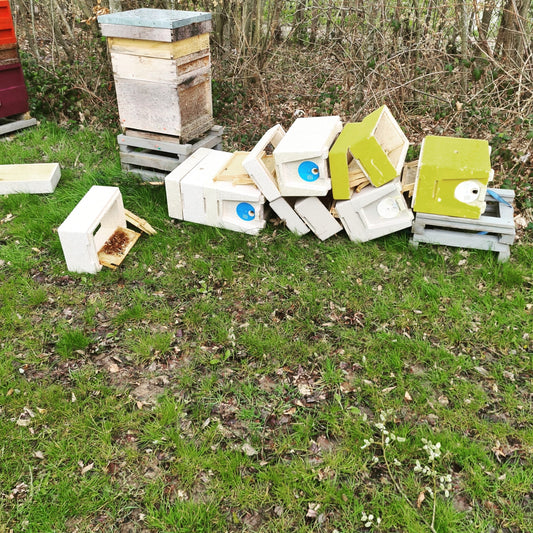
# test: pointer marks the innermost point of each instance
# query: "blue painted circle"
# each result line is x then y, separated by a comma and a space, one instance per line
245, 211
308, 171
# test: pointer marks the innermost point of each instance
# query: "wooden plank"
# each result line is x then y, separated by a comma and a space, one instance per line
158, 49
153, 161
8, 126
408, 179
233, 169
463, 240
155, 145
139, 222
115, 249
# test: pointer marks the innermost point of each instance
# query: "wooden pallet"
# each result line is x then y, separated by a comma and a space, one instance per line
15, 123
494, 230
152, 156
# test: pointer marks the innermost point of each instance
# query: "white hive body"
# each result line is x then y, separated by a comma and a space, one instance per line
194, 195
90, 224
374, 212
302, 156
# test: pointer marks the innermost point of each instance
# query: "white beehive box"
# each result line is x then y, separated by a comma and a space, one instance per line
194, 195
83, 234
38, 178
302, 156
317, 216
266, 181
374, 212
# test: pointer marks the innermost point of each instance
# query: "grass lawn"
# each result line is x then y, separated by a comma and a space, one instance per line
222, 382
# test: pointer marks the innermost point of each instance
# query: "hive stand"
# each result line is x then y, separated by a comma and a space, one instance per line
38, 178
194, 195
96, 218
493, 230
152, 156
301, 156
376, 147
452, 177
375, 212
265, 179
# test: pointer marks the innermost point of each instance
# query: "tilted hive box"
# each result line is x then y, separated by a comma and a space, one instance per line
378, 146
194, 195
162, 70
96, 218
452, 177
302, 156
375, 212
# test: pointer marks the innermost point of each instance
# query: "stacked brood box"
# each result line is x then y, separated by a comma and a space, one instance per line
162, 70
13, 93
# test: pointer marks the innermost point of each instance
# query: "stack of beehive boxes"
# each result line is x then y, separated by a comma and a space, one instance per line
13, 93
162, 71
452, 201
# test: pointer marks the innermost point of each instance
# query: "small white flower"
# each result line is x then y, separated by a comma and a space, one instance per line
401, 439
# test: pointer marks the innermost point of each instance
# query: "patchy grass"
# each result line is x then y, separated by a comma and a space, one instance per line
222, 382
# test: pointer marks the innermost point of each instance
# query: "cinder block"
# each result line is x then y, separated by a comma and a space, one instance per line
90, 224
375, 212
378, 146
452, 177
37, 178
195, 196
302, 156
317, 216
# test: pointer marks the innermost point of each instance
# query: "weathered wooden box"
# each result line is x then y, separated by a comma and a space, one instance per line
13, 93
7, 30
162, 70
493, 230
194, 195
9, 54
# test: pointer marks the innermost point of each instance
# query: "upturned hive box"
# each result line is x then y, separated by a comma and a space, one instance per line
162, 70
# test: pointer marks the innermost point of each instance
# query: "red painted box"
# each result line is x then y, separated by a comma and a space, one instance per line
13, 93
7, 30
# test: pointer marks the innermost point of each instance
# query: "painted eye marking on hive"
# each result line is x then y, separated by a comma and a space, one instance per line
245, 211
308, 171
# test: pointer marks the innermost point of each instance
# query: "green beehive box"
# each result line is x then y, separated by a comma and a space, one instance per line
378, 146
452, 177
